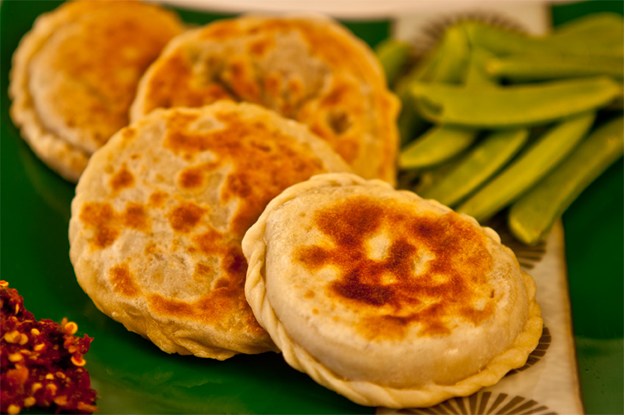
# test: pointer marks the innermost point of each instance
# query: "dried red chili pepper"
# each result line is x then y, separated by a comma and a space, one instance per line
42, 361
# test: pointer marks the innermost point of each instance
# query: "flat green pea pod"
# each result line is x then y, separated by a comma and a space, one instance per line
477, 73
513, 106
503, 42
531, 217
447, 63
530, 166
437, 145
592, 28
429, 177
451, 67
527, 68
443, 142
393, 55
481, 163
410, 123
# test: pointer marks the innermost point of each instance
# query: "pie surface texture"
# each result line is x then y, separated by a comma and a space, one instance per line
75, 73
310, 69
160, 212
386, 298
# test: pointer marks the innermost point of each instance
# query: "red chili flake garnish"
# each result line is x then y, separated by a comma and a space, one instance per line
42, 361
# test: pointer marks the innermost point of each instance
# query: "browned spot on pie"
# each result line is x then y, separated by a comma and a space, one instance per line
122, 179
128, 133
172, 85
241, 76
100, 217
123, 282
185, 217
108, 224
202, 271
152, 248
392, 293
261, 46
134, 217
157, 198
191, 178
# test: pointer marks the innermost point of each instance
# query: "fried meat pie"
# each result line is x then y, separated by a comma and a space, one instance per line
160, 212
386, 298
75, 73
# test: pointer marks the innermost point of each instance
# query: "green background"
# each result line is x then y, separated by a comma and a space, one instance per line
133, 376
594, 235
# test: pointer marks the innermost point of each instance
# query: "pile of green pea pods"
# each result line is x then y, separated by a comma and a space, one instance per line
496, 120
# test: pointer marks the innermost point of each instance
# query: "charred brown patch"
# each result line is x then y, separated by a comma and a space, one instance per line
191, 178
128, 133
172, 86
101, 218
135, 217
122, 179
123, 281
447, 286
108, 224
157, 198
185, 217
261, 46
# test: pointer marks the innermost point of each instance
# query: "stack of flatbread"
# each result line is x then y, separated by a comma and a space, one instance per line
235, 196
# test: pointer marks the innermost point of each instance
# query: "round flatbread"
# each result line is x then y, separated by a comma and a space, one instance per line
160, 212
386, 298
310, 69
75, 73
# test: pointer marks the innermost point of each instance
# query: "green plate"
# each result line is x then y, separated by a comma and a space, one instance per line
133, 376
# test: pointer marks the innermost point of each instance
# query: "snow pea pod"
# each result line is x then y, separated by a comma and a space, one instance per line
452, 65
409, 122
592, 28
429, 177
446, 64
437, 145
477, 74
530, 166
443, 142
523, 68
506, 42
481, 163
532, 216
513, 106
483, 160
393, 55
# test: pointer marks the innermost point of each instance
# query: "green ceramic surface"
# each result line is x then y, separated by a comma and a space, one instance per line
133, 376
